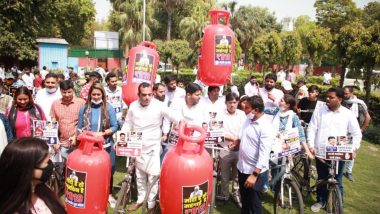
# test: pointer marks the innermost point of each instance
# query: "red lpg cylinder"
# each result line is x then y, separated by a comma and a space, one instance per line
88, 174
142, 67
217, 50
186, 175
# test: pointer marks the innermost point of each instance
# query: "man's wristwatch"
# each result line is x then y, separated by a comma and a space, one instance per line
254, 173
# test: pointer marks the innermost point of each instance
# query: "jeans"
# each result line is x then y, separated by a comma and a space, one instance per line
350, 166
323, 172
251, 197
165, 149
111, 152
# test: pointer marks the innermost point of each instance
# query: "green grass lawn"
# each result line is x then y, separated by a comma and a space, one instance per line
361, 196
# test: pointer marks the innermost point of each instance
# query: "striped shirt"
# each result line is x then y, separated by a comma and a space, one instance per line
67, 116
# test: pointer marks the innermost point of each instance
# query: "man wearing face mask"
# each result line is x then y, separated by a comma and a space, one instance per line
254, 144
66, 111
46, 96
360, 110
271, 96
145, 115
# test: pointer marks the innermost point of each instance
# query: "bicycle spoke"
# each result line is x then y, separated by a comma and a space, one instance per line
289, 200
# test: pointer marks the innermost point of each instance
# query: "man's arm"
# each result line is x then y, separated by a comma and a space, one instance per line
312, 130
366, 122
354, 130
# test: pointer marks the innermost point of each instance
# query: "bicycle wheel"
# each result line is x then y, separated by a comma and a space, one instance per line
122, 198
144, 208
334, 204
290, 201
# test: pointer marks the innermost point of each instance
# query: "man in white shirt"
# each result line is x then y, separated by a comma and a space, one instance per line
291, 76
145, 115
172, 91
115, 98
271, 95
190, 107
326, 78
329, 120
256, 140
46, 96
44, 72
159, 91
252, 87
233, 120
213, 102
281, 75
28, 78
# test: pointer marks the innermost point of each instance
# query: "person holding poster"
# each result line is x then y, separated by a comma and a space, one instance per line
23, 112
328, 120
65, 111
145, 115
233, 120
284, 120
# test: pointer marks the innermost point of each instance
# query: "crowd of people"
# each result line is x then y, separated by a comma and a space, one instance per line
252, 123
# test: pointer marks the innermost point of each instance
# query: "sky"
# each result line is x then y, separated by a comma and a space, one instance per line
281, 8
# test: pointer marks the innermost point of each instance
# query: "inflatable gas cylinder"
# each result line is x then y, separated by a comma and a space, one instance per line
88, 174
186, 175
217, 51
142, 67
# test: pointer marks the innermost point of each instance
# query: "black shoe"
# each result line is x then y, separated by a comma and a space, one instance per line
349, 176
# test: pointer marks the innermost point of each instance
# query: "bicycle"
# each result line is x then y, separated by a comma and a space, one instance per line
334, 202
287, 195
127, 187
145, 208
56, 181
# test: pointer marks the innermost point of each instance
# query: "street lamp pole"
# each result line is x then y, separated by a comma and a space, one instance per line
144, 11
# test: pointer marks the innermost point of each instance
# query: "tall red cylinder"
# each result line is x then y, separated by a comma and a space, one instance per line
142, 67
186, 175
217, 51
87, 179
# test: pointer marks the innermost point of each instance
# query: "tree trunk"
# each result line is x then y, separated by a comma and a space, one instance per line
168, 33
342, 73
367, 83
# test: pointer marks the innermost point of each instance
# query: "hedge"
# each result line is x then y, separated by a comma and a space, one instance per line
240, 78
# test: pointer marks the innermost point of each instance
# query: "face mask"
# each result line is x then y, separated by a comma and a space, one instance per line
282, 109
46, 172
96, 102
250, 116
51, 90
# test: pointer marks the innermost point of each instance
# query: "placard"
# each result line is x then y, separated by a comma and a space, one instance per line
286, 143
194, 199
223, 50
46, 130
128, 144
143, 68
75, 191
339, 148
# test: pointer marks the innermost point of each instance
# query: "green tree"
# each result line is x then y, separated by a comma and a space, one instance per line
334, 14
171, 6
22, 22
364, 51
130, 18
292, 48
317, 43
267, 49
250, 22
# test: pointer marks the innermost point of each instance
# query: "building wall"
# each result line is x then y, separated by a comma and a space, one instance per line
87, 62
113, 63
73, 62
53, 56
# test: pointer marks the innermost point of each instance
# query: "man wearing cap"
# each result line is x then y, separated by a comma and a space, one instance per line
286, 87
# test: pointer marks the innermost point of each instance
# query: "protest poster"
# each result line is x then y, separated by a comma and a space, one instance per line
223, 50
339, 148
286, 143
142, 71
194, 199
46, 130
214, 131
128, 144
75, 190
